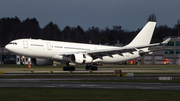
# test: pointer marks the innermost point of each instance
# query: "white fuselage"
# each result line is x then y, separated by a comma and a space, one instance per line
51, 49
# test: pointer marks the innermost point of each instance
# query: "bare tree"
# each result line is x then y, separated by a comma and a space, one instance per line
152, 17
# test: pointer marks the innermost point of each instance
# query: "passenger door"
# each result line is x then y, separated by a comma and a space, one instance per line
49, 46
25, 43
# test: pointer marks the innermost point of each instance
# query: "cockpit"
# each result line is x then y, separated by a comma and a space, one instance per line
14, 43
13, 46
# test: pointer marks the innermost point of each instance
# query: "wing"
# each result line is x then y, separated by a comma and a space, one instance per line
116, 50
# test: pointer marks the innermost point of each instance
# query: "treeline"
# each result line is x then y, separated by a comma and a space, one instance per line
13, 28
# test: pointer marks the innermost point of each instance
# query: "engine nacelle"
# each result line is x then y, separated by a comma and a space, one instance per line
41, 62
141, 53
81, 58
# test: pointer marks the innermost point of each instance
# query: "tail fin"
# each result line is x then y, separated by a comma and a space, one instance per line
144, 36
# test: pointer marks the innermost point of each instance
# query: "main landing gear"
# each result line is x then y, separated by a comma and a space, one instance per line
72, 68
91, 67
68, 67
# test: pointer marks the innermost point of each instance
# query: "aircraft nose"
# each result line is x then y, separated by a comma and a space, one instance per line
7, 47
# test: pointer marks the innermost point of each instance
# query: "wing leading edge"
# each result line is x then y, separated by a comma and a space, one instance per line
117, 50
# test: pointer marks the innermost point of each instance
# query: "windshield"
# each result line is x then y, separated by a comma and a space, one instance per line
14, 43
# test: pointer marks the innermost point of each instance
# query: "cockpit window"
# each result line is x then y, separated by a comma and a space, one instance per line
14, 43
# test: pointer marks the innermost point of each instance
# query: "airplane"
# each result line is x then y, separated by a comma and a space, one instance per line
85, 53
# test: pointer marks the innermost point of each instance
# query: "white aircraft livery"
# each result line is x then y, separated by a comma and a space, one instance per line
85, 53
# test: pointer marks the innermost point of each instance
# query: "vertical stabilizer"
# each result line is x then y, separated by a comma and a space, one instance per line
144, 36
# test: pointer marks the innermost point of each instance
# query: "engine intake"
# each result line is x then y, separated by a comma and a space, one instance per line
81, 58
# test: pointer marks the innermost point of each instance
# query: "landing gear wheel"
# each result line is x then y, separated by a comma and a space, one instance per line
73, 68
88, 67
68, 67
94, 68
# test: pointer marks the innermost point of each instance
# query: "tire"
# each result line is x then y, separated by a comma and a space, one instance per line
87, 67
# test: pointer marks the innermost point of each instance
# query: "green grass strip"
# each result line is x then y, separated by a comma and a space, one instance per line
49, 94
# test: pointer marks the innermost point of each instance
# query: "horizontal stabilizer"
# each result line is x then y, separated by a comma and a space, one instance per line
166, 41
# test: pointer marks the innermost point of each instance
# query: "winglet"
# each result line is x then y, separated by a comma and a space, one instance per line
166, 41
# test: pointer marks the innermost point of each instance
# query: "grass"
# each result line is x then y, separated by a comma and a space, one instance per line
49, 94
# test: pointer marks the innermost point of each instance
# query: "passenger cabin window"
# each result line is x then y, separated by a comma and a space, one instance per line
37, 45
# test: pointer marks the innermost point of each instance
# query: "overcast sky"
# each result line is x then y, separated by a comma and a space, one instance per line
130, 14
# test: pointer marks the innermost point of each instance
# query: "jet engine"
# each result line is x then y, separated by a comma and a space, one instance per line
81, 58
41, 62
141, 53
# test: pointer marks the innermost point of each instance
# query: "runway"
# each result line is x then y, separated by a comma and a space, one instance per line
65, 82
87, 74
56, 79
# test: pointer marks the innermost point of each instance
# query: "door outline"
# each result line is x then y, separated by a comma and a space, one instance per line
25, 43
49, 46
